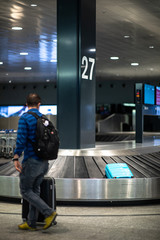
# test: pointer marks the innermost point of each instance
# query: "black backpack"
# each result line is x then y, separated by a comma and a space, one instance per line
46, 143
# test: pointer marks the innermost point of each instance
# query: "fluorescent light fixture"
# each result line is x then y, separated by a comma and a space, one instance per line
126, 36
134, 64
114, 58
27, 68
33, 5
92, 50
23, 53
1, 63
53, 60
17, 28
151, 46
129, 104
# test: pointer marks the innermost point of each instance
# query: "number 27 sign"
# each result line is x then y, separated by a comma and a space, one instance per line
88, 65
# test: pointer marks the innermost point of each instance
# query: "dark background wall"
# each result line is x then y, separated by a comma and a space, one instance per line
114, 92
106, 92
16, 94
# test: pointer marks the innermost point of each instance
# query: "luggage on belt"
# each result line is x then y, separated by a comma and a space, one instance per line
118, 170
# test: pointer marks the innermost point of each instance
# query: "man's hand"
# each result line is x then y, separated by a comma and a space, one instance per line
18, 166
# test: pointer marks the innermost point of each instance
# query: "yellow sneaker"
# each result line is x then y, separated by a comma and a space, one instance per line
25, 226
49, 220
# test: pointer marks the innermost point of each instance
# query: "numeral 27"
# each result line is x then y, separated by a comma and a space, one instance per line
85, 64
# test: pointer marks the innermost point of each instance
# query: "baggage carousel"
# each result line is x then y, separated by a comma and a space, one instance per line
80, 174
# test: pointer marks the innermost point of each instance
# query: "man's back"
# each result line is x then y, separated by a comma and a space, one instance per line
26, 130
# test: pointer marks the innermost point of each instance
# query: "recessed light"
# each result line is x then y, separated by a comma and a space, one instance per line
53, 60
92, 50
27, 68
17, 28
151, 46
129, 104
33, 5
134, 64
10, 81
114, 58
23, 53
1, 63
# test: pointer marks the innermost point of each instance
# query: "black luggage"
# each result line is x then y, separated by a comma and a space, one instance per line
48, 194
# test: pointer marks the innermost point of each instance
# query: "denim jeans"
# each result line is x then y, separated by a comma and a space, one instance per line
31, 177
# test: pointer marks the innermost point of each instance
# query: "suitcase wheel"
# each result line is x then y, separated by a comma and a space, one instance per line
54, 223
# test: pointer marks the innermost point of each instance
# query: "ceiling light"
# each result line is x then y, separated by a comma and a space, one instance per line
48, 80
126, 36
10, 81
53, 60
129, 104
151, 46
114, 58
1, 63
23, 53
92, 50
134, 64
33, 5
27, 68
17, 28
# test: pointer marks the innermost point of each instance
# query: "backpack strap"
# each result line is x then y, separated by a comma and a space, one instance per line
34, 114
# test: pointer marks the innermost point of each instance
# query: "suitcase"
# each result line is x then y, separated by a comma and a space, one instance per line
118, 170
47, 193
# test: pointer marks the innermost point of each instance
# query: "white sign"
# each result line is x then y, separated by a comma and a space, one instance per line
88, 63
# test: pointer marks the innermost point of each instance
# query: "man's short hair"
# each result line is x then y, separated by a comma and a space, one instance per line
33, 99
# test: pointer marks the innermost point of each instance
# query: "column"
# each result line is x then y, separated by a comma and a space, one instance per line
76, 44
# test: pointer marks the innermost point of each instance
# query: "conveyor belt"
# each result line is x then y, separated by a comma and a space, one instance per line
122, 136
142, 166
82, 178
113, 137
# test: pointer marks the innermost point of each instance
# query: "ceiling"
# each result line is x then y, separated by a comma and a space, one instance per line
127, 29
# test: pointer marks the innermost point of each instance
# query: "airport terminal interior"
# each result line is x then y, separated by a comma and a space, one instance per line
95, 64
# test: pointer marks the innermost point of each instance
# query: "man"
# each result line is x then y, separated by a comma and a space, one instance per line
33, 168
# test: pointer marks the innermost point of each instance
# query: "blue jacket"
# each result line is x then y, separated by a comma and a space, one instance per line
26, 129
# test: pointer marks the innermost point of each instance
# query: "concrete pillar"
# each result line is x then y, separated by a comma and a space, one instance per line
76, 44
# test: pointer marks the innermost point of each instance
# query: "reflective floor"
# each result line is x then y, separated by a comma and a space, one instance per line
151, 143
